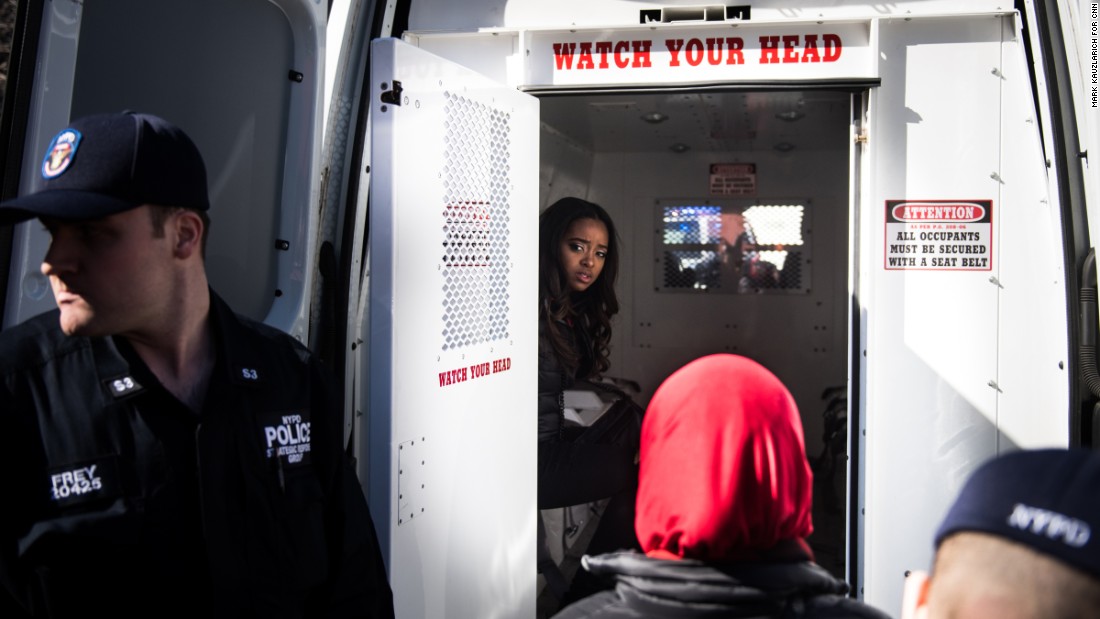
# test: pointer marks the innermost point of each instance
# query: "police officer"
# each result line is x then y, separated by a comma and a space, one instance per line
161, 454
1020, 541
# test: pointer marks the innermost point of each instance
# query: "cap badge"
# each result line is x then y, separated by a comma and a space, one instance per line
60, 153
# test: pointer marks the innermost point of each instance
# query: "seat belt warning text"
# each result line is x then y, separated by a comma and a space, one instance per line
939, 235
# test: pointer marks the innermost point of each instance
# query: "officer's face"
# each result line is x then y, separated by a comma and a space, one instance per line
583, 253
109, 276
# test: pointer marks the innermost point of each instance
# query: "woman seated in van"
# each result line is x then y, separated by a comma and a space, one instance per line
578, 263
724, 496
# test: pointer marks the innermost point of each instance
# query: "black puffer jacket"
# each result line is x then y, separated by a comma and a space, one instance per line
553, 381
647, 587
555, 378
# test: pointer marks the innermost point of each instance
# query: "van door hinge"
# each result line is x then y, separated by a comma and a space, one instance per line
393, 95
862, 137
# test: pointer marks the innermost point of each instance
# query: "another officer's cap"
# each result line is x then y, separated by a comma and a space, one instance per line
1046, 499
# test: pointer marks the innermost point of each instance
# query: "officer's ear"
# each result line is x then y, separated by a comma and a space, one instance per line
188, 227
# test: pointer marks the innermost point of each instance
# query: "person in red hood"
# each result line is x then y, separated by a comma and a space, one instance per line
723, 507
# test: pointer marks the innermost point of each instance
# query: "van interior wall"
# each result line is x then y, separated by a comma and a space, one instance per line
800, 335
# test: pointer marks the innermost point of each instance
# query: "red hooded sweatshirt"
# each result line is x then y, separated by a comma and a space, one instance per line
723, 473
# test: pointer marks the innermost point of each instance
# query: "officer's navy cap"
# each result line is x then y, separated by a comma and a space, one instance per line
1047, 500
109, 163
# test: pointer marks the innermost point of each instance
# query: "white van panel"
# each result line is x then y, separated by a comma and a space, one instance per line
453, 336
956, 371
1033, 347
931, 350
444, 14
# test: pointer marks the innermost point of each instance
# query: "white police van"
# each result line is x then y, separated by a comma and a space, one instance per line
888, 204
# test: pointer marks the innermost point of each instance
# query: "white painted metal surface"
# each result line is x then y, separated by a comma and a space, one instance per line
664, 55
931, 349
1034, 360
953, 375
441, 14
453, 354
697, 54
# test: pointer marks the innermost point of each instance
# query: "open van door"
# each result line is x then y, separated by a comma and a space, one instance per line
451, 371
243, 79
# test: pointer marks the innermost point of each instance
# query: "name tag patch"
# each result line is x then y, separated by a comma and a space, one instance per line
82, 482
286, 437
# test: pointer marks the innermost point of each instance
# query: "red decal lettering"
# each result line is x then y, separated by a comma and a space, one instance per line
641, 54
790, 41
694, 52
585, 60
620, 60
563, 55
810, 53
603, 48
674, 46
769, 49
735, 45
833, 47
451, 377
479, 370
714, 51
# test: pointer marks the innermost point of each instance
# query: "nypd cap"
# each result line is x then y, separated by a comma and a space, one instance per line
1047, 500
109, 163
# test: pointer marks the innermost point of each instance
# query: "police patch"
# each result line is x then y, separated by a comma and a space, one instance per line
286, 437
60, 153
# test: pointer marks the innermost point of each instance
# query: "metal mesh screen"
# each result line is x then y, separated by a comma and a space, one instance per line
475, 263
749, 249
692, 224
692, 269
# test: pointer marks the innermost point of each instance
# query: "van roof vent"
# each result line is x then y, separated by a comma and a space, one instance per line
714, 12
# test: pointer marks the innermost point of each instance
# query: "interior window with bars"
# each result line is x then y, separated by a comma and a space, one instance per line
737, 248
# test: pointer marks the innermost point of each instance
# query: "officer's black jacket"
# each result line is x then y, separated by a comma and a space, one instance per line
120, 501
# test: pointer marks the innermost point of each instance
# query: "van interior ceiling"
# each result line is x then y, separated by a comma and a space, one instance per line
733, 212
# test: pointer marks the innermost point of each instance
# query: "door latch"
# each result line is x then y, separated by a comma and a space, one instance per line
393, 95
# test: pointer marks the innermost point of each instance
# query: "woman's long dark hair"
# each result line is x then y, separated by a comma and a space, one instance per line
589, 312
